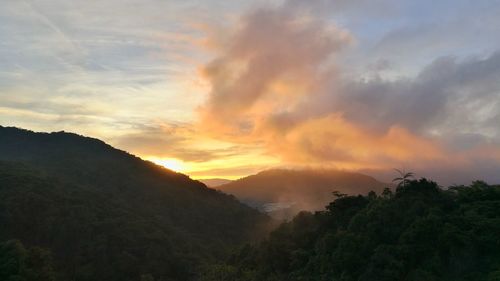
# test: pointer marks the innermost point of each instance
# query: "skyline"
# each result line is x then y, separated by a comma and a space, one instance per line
216, 89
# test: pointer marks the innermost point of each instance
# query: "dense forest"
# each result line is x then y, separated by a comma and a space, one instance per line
74, 208
419, 232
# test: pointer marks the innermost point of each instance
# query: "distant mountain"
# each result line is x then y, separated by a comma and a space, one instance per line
107, 215
282, 193
215, 182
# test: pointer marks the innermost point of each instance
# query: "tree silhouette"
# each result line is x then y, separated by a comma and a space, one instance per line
338, 194
404, 177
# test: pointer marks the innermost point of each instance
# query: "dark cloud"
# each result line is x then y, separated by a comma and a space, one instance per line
447, 96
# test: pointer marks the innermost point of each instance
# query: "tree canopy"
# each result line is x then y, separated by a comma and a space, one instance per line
418, 232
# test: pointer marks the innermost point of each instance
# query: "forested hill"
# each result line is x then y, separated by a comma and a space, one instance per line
285, 192
103, 214
420, 232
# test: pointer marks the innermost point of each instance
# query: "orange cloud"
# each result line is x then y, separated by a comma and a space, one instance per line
275, 83
272, 60
332, 139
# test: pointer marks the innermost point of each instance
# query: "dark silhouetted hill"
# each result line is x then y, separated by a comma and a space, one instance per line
104, 214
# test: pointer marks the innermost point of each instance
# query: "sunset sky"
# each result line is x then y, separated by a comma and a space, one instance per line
227, 88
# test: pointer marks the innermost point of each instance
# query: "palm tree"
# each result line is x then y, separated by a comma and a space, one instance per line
404, 178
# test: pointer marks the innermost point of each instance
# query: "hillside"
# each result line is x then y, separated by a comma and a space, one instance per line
283, 193
420, 232
107, 215
215, 182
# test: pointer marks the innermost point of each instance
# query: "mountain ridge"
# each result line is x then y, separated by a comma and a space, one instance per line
106, 214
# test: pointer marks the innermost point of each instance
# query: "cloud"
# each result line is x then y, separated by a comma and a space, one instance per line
448, 96
276, 82
163, 140
285, 81
175, 140
270, 52
375, 8
232, 172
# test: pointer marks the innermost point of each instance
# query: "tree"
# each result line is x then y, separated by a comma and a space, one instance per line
404, 178
18, 263
387, 193
338, 194
147, 277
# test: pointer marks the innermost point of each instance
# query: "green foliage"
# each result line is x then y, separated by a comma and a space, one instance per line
420, 232
107, 215
20, 264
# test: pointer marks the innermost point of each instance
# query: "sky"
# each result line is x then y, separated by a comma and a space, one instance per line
228, 88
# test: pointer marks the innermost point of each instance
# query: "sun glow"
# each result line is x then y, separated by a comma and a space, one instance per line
170, 163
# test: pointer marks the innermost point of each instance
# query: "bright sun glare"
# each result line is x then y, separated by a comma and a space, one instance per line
169, 163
